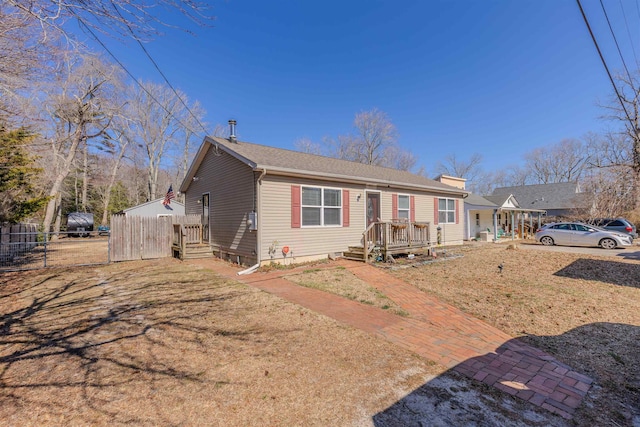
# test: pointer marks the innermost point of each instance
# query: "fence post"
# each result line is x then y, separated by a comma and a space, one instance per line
45, 248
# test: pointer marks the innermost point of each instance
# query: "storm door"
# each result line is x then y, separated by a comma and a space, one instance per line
205, 218
373, 212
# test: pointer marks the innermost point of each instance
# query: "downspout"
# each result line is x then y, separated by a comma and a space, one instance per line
256, 194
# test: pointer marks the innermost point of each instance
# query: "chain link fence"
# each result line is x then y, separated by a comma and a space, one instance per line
27, 250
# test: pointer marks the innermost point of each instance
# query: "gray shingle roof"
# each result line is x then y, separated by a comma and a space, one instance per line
561, 195
476, 200
289, 162
500, 199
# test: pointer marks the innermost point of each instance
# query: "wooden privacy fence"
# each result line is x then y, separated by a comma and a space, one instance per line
16, 239
135, 237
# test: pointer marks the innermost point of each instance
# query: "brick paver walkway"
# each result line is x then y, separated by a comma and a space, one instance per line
437, 331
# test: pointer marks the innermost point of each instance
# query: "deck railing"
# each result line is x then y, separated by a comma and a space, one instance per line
395, 236
186, 234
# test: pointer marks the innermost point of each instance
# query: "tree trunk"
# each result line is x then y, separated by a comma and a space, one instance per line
112, 180
58, 222
85, 183
62, 173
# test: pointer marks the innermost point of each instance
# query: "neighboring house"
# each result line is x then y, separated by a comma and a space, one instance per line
498, 216
263, 204
154, 208
558, 199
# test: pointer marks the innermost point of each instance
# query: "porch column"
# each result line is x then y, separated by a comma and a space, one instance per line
521, 213
513, 225
495, 225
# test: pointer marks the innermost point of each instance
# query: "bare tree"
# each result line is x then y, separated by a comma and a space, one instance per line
24, 57
191, 118
623, 148
79, 111
118, 141
397, 158
154, 109
453, 166
561, 162
140, 19
305, 145
374, 142
374, 134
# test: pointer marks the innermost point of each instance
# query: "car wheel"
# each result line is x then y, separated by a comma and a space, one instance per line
547, 241
608, 243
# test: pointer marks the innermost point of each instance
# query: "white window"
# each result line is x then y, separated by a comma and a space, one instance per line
446, 211
404, 206
321, 206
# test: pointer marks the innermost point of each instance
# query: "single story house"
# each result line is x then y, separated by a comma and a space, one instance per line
561, 199
262, 204
495, 217
154, 208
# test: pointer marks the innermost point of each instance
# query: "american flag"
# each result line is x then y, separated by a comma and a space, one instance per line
169, 196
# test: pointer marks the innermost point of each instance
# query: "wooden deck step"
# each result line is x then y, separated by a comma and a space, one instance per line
198, 251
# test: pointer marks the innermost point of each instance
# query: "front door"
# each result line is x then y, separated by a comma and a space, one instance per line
205, 218
373, 212
373, 208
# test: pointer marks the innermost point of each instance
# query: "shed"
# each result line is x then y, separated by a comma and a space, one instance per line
154, 208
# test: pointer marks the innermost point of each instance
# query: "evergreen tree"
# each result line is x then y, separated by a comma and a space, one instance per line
17, 172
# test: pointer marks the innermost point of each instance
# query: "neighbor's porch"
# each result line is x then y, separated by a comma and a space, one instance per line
383, 239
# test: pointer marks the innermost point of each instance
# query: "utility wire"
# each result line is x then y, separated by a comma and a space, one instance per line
157, 67
132, 76
604, 63
626, 24
624, 64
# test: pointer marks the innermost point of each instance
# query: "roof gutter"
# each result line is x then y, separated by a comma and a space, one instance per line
350, 179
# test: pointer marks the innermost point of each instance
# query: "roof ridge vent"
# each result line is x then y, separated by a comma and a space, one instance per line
232, 131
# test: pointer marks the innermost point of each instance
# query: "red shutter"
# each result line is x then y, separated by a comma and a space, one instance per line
412, 212
457, 211
295, 206
435, 211
345, 208
394, 206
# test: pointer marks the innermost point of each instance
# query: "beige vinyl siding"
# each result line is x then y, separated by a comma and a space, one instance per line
424, 212
451, 234
230, 184
275, 221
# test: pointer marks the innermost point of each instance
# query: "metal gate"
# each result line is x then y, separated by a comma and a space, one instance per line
22, 247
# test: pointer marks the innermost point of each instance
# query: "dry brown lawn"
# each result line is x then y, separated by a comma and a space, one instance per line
341, 282
167, 343
585, 310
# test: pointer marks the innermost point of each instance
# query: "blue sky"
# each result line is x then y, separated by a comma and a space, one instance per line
497, 78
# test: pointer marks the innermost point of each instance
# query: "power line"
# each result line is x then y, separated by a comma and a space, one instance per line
624, 64
626, 24
133, 77
155, 64
604, 63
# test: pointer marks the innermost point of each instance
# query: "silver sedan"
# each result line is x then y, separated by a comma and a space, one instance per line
578, 234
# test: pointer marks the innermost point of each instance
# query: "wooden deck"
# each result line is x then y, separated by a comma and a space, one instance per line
383, 239
188, 242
